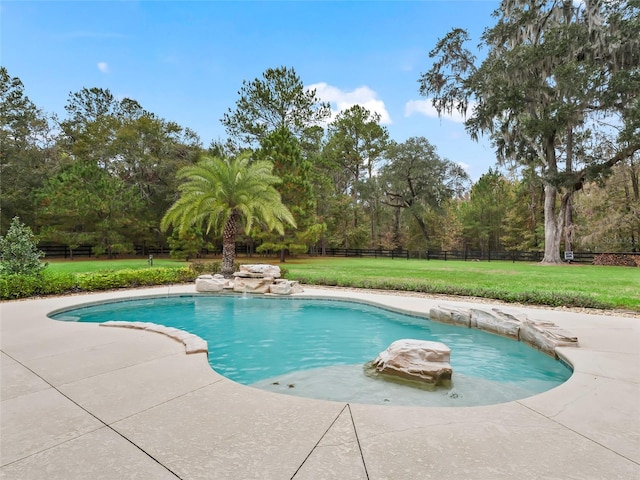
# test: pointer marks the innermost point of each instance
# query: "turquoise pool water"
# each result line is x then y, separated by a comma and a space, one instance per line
317, 348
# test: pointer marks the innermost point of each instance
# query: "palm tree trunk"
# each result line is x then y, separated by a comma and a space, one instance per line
229, 245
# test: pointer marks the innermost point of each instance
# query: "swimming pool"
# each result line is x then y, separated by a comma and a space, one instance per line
317, 348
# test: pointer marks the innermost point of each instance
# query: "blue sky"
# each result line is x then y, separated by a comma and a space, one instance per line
185, 60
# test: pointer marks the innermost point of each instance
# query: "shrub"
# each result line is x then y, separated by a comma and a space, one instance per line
199, 267
133, 278
45, 283
19, 253
55, 283
17, 285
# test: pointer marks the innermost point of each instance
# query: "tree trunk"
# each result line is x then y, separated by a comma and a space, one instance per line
354, 196
423, 227
229, 245
552, 231
552, 234
372, 230
396, 227
568, 226
568, 217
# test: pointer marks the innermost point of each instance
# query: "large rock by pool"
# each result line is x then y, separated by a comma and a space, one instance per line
251, 278
543, 335
420, 361
212, 283
258, 270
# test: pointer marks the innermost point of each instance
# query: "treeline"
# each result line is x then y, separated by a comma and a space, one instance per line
106, 174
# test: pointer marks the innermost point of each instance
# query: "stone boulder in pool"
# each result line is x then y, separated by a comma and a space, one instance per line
415, 362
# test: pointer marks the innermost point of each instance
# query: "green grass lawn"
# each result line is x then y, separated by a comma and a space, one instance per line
586, 285
570, 285
88, 266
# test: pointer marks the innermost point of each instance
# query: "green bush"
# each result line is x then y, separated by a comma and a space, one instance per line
55, 283
209, 268
200, 267
45, 283
19, 286
19, 253
133, 278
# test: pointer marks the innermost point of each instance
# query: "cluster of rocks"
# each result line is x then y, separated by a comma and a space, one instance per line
542, 335
420, 362
253, 278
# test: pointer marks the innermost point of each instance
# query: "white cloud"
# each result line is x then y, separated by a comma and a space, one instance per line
424, 107
103, 67
341, 100
465, 166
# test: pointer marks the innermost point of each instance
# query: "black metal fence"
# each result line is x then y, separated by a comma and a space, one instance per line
465, 255
365, 252
514, 256
63, 251
478, 255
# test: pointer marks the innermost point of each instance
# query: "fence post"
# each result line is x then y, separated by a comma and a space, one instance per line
445, 255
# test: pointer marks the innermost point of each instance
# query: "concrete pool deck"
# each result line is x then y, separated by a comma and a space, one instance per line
83, 402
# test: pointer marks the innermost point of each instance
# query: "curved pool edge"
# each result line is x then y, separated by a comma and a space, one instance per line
364, 301
192, 343
308, 381
586, 427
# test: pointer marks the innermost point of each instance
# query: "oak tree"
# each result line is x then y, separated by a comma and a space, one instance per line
554, 71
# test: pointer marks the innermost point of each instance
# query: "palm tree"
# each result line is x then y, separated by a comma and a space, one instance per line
225, 195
